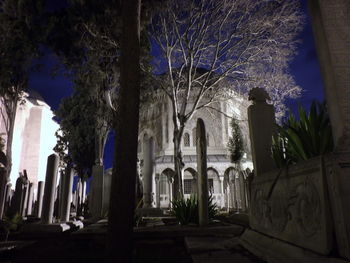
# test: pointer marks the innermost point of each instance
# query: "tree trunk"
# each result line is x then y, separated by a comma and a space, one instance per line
12, 117
122, 202
178, 163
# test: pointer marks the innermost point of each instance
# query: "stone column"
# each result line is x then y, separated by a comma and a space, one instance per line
157, 191
39, 199
49, 191
242, 192
170, 184
30, 199
96, 196
222, 191
201, 148
147, 171
66, 195
261, 118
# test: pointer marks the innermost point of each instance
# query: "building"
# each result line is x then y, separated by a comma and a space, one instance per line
33, 138
156, 152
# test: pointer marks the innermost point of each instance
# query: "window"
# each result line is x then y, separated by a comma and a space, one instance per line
188, 186
163, 183
187, 140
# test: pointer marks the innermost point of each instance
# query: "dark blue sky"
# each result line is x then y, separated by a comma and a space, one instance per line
304, 68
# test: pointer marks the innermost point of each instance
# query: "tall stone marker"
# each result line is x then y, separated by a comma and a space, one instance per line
201, 147
261, 118
66, 196
39, 199
50, 187
331, 28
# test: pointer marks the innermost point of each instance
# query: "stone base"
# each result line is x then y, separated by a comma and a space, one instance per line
149, 212
274, 250
41, 228
75, 225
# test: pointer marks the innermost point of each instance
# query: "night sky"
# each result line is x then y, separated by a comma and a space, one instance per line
304, 68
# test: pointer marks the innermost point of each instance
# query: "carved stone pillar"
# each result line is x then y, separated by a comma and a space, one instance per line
147, 172
157, 191
261, 118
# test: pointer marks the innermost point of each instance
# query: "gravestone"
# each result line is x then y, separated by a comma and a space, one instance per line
30, 199
39, 199
49, 191
261, 118
201, 148
67, 185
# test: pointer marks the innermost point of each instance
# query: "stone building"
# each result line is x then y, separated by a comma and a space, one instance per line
33, 138
156, 152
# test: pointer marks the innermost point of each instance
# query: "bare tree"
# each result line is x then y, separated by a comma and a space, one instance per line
205, 43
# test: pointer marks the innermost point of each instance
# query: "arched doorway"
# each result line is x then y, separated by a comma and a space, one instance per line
166, 187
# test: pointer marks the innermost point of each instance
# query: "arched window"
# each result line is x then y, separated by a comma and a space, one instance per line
207, 139
186, 140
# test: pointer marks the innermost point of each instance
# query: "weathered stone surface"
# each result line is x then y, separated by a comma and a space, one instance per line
337, 168
148, 171
50, 187
331, 26
261, 118
66, 195
201, 148
273, 250
39, 199
291, 205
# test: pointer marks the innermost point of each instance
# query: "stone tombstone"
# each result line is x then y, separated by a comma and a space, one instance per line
30, 199
39, 199
50, 187
147, 171
201, 147
261, 118
25, 193
16, 201
66, 194
331, 28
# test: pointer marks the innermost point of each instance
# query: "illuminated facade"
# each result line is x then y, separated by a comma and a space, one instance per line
156, 152
33, 138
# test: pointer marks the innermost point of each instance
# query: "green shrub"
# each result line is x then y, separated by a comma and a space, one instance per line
186, 210
10, 223
302, 139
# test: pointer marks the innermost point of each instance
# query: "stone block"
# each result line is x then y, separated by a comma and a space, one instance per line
292, 205
273, 250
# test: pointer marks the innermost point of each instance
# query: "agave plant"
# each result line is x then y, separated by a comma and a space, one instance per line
305, 138
186, 210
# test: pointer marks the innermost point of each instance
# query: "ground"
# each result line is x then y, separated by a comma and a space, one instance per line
154, 243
